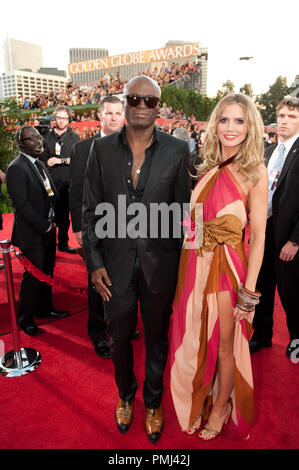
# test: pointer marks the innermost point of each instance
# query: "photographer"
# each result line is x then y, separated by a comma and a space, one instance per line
58, 143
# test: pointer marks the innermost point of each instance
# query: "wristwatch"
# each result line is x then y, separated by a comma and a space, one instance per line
294, 243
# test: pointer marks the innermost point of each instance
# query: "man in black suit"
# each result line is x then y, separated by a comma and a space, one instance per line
112, 117
142, 165
57, 152
34, 231
281, 259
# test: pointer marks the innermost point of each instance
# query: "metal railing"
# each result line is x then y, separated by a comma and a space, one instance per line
189, 81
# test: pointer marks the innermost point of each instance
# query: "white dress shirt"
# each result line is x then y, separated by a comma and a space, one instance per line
271, 165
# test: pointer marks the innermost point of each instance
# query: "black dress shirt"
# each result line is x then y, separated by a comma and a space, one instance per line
136, 194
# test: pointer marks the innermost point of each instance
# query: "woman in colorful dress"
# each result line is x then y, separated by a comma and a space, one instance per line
211, 376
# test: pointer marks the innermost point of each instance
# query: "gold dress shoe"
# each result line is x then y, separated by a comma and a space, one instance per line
154, 422
124, 415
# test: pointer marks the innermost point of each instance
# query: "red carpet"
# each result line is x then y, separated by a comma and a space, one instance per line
68, 401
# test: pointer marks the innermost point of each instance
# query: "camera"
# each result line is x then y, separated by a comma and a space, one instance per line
44, 125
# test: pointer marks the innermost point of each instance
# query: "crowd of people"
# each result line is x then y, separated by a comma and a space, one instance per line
166, 112
194, 133
215, 293
108, 84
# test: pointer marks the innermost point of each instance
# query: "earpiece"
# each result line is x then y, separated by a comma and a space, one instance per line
19, 135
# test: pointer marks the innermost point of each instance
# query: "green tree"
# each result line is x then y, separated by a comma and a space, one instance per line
190, 101
268, 101
227, 87
247, 90
10, 116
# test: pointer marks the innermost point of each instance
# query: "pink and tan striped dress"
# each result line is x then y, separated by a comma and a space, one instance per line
220, 265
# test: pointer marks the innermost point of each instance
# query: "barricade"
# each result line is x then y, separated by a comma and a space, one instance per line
19, 361
41, 276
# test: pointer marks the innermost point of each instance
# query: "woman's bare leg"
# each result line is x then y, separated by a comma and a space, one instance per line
225, 364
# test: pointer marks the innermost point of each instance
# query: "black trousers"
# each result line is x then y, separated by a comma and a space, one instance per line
36, 296
96, 325
284, 275
121, 316
62, 217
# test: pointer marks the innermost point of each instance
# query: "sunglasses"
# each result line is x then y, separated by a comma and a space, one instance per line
33, 138
149, 101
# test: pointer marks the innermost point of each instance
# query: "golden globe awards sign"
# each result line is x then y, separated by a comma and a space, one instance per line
164, 54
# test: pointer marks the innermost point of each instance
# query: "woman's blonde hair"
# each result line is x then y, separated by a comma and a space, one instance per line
251, 153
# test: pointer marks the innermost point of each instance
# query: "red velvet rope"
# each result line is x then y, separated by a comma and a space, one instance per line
41, 276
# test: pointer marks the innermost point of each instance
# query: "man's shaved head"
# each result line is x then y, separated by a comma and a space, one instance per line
135, 80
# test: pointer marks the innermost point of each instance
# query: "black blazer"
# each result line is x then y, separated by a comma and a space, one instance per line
79, 157
285, 202
31, 203
168, 182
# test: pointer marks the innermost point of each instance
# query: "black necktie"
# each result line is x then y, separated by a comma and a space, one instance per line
40, 168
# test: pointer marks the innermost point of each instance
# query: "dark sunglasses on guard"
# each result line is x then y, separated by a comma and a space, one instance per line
149, 101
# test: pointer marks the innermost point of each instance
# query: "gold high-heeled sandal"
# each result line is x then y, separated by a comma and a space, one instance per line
194, 426
212, 431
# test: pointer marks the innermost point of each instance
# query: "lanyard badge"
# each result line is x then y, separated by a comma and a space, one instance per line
48, 187
57, 148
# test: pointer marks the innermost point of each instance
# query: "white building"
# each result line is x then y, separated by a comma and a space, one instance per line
19, 83
20, 55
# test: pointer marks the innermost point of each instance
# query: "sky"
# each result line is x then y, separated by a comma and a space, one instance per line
230, 29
